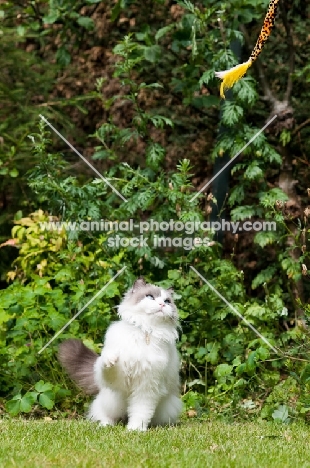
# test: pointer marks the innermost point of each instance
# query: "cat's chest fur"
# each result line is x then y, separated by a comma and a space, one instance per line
143, 347
144, 356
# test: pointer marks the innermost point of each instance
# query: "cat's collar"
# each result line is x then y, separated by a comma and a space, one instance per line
168, 337
147, 331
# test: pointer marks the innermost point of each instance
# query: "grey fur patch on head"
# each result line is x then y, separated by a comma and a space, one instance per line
139, 283
141, 289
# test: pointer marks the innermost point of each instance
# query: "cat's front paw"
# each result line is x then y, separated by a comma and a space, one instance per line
109, 360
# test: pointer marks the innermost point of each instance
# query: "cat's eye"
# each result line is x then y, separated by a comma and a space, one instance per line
150, 296
167, 301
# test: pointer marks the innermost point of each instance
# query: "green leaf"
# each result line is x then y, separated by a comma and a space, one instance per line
213, 352
14, 172
4, 316
18, 215
206, 77
264, 276
243, 212
253, 171
273, 156
126, 134
46, 400
152, 53
63, 57
86, 22
223, 370
305, 374
285, 137
280, 414
268, 199
292, 268
52, 16
241, 368
264, 238
43, 387
112, 290
263, 353
256, 310
251, 361
62, 393
155, 154
159, 121
55, 319
157, 262
13, 406
174, 275
117, 9
163, 31
232, 113
27, 401
237, 195
115, 12
246, 91
21, 30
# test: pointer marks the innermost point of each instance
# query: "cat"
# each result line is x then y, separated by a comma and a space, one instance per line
136, 377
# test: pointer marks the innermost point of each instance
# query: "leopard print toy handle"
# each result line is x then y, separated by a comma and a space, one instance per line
266, 29
231, 76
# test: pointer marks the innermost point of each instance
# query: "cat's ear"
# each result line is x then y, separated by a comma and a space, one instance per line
171, 290
138, 284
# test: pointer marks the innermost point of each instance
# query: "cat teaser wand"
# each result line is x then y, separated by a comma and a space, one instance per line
231, 76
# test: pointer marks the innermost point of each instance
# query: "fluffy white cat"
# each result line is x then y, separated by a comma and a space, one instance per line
136, 378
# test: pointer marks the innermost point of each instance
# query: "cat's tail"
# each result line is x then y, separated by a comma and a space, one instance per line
78, 360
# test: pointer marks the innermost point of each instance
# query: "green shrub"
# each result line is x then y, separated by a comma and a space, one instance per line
225, 365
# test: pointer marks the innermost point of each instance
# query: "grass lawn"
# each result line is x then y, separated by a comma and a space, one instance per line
44, 444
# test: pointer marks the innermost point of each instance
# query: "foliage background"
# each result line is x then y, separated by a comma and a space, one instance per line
131, 85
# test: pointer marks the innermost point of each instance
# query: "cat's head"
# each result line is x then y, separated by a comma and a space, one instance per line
148, 300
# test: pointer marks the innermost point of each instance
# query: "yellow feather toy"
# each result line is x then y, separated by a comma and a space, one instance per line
231, 76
